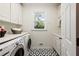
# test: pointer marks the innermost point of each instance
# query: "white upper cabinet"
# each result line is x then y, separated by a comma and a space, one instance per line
5, 12
11, 13
20, 14
16, 13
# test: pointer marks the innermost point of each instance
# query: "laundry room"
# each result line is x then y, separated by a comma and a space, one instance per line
37, 29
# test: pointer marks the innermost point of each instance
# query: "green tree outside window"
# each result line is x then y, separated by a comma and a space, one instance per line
39, 21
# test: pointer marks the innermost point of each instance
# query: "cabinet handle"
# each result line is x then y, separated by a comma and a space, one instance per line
60, 38
0, 49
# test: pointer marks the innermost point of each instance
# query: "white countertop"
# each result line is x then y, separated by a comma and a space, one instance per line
11, 36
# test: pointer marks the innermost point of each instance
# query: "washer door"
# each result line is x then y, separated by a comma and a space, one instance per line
18, 51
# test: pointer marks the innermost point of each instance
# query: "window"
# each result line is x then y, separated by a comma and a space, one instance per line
39, 21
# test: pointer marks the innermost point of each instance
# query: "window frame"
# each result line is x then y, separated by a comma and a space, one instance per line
45, 26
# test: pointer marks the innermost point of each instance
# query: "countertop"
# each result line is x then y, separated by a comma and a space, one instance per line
9, 37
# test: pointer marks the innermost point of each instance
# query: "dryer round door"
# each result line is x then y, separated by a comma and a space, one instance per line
18, 51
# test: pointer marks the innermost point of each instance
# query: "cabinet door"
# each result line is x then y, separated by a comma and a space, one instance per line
5, 12
68, 47
58, 45
14, 13
20, 14
62, 28
54, 41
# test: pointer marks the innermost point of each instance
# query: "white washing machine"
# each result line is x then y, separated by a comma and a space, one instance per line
20, 49
15, 47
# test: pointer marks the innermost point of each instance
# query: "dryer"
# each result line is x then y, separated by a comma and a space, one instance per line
27, 42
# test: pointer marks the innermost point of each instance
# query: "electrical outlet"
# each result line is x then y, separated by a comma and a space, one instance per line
41, 44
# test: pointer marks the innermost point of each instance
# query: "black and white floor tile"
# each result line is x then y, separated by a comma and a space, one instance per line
42, 52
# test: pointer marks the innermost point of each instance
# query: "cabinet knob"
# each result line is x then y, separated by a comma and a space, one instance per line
60, 38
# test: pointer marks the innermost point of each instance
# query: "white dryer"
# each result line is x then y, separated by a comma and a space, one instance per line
27, 42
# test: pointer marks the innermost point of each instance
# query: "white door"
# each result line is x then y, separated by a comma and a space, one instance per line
68, 32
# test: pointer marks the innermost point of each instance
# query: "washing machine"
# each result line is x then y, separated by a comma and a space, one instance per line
20, 49
15, 47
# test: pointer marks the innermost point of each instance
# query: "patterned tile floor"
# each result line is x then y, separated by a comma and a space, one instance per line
42, 52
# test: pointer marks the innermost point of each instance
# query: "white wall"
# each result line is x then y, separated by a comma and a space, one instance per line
38, 37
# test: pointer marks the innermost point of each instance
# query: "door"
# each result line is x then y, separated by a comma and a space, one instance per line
68, 32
